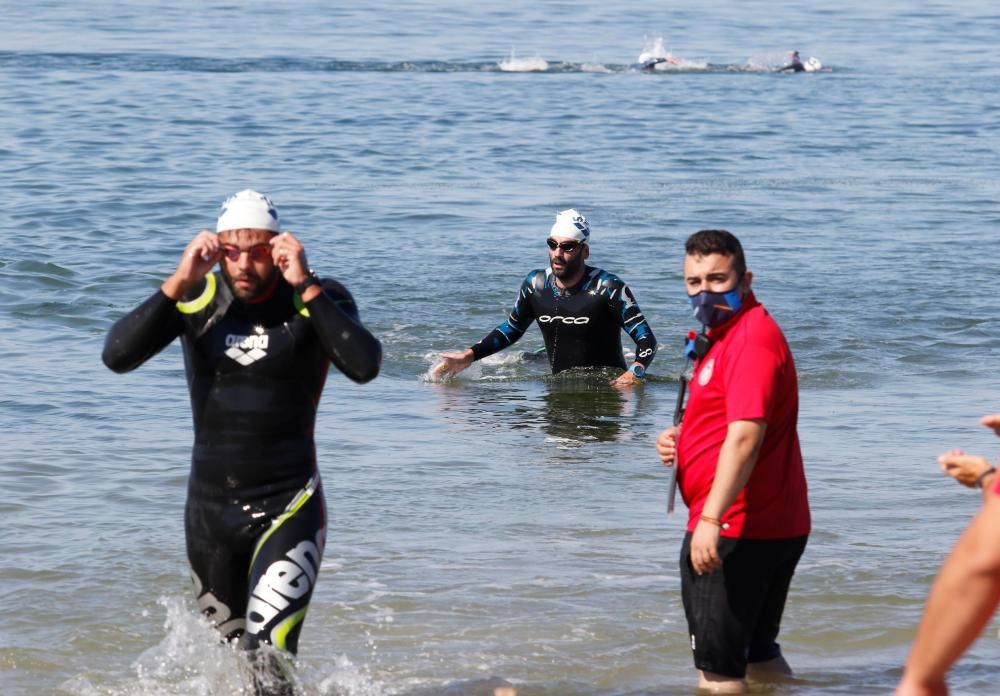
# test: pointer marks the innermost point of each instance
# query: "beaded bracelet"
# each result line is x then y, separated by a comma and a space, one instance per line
716, 521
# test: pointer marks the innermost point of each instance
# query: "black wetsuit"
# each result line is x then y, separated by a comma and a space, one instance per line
255, 518
581, 325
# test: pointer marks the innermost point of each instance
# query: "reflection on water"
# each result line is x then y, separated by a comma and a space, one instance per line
574, 407
581, 406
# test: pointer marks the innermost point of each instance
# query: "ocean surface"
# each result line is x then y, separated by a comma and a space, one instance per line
507, 527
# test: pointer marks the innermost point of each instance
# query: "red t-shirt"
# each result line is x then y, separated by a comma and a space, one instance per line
748, 373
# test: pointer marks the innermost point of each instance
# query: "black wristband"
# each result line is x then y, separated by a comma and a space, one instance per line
982, 476
311, 279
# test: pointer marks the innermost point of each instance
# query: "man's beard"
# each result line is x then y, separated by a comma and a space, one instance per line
571, 267
258, 285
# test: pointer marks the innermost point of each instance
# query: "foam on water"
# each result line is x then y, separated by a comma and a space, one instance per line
515, 64
655, 48
504, 365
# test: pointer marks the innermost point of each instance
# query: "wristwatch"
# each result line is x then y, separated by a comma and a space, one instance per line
311, 279
638, 370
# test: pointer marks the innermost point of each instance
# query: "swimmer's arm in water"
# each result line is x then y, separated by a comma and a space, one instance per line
504, 335
632, 320
454, 362
348, 344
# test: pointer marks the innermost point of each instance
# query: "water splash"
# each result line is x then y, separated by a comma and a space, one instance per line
657, 57
346, 679
502, 366
189, 660
515, 64
192, 660
654, 49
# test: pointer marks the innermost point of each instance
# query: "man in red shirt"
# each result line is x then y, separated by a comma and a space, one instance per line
739, 469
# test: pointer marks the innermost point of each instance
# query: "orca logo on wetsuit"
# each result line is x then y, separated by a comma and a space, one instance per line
247, 349
547, 318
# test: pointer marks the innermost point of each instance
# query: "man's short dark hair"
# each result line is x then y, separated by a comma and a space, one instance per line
705, 242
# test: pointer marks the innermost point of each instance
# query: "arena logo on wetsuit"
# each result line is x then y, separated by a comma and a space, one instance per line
285, 580
247, 349
546, 318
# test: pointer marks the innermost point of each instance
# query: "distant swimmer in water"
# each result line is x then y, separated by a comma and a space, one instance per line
258, 338
654, 54
651, 63
794, 63
580, 310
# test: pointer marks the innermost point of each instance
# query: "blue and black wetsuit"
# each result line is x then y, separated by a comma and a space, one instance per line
255, 519
581, 325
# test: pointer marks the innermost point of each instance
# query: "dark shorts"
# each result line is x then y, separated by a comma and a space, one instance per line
734, 614
254, 561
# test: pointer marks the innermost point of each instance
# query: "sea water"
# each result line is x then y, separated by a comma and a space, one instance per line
507, 527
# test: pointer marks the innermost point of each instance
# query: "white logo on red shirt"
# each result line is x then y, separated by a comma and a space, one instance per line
706, 372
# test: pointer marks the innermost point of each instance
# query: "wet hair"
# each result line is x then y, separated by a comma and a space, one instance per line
705, 242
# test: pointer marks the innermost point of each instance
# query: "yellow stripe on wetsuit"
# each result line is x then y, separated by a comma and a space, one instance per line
199, 303
298, 501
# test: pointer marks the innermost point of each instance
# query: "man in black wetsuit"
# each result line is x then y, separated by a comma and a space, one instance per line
257, 340
794, 63
580, 310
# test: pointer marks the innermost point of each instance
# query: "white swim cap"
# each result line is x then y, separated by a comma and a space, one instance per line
571, 225
248, 210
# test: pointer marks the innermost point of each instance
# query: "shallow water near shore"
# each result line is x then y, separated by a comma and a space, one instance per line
507, 528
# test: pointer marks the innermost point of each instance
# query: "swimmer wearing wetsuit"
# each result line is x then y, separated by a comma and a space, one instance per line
650, 64
794, 63
580, 311
257, 341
